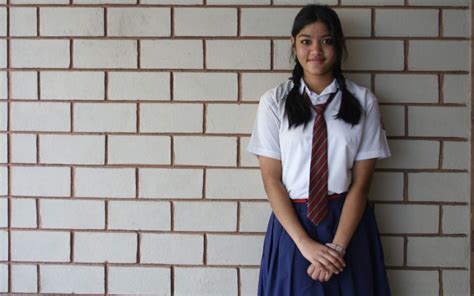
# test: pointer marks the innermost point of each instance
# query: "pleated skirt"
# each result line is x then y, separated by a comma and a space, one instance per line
283, 267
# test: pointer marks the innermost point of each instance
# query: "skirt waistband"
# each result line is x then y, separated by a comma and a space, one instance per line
330, 197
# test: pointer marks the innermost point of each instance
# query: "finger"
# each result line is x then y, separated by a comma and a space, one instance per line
338, 256
325, 260
310, 269
322, 276
328, 276
334, 258
315, 274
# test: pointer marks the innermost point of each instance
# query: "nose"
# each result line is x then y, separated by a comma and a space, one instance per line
316, 46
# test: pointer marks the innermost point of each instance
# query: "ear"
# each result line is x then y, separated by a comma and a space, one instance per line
292, 40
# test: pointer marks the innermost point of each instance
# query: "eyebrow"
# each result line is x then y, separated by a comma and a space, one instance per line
309, 36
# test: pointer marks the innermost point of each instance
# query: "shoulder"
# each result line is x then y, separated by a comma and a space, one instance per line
277, 96
364, 95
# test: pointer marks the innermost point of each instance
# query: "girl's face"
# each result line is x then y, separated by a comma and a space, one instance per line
314, 48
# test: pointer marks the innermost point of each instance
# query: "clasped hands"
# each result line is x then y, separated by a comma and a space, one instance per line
325, 262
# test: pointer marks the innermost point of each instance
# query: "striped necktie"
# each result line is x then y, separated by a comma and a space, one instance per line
318, 175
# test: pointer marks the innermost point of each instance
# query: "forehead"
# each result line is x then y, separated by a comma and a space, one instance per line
316, 29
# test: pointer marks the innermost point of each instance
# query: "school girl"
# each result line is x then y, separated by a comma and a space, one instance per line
317, 137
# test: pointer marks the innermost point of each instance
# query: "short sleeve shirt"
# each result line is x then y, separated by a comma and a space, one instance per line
272, 138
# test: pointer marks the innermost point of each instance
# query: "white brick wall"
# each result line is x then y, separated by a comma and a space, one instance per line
125, 125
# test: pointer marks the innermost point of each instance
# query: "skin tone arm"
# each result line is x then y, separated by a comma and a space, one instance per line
281, 205
352, 211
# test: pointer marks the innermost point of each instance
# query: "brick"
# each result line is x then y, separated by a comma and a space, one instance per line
72, 214
3, 51
72, 85
254, 216
105, 247
456, 88
168, 183
417, 88
139, 86
105, 117
374, 55
77, 21
234, 249
413, 154
281, 55
142, 280
438, 251
3, 85
4, 116
173, 2
23, 21
163, 53
4, 285
48, 246
205, 21
431, 121
172, 248
3, 212
168, 118
450, 187
444, 55
355, 22
23, 213
205, 86
3, 148
451, 217
360, 78
3, 21
455, 155
139, 150
406, 22
254, 85
139, 215
455, 282
233, 54
456, 23
205, 216
246, 2
23, 148
24, 85
227, 118
393, 119
372, 2
24, 278
72, 149
386, 186
413, 282
393, 250
105, 182
303, 2
4, 244
45, 181
282, 19
104, 1
149, 21
26, 116
246, 158
35, 53
72, 279
114, 54
439, 2
234, 183
407, 218
39, 2
210, 151
3, 181
249, 281
205, 281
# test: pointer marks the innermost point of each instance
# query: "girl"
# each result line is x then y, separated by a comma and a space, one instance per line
317, 137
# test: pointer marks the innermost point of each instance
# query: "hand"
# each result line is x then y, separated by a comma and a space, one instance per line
318, 273
315, 252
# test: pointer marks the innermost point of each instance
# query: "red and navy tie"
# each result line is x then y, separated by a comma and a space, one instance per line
318, 174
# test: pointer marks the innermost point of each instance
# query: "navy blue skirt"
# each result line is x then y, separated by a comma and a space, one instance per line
283, 267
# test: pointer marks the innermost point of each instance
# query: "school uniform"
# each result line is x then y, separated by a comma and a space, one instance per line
283, 268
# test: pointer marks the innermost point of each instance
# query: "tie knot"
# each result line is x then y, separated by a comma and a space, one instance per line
320, 108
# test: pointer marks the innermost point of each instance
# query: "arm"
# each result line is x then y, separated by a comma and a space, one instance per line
355, 202
283, 209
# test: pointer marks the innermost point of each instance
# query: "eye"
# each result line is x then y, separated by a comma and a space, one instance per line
305, 41
327, 41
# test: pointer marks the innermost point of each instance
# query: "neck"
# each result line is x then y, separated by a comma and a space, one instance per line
318, 83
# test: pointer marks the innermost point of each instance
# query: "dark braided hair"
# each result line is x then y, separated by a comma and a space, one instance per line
298, 109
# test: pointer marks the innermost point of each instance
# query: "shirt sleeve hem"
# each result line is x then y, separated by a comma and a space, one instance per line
264, 152
379, 154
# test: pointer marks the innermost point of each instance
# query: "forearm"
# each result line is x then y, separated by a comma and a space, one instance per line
354, 206
285, 213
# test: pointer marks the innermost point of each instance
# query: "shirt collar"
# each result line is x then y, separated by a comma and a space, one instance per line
315, 98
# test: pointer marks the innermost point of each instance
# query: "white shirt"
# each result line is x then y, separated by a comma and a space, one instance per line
272, 138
